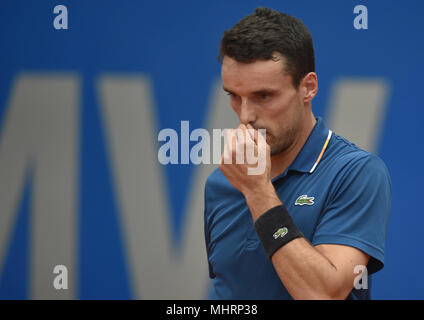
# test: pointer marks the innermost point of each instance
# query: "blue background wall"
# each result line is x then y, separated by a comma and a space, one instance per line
175, 43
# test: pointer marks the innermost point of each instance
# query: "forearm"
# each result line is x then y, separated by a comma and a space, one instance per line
305, 272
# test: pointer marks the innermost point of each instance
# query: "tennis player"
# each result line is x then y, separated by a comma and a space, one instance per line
319, 212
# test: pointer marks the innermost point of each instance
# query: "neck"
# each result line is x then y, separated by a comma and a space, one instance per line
282, 160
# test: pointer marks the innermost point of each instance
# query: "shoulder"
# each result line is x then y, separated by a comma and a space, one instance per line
214, 181
353, 165
214, 177
346, 156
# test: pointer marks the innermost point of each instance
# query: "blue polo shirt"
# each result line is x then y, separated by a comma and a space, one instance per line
335, 192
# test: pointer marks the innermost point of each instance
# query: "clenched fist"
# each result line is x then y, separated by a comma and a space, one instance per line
246, 160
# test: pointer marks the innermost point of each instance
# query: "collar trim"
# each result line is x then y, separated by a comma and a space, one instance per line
322, 151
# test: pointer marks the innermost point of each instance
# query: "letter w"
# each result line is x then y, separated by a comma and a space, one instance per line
158, 271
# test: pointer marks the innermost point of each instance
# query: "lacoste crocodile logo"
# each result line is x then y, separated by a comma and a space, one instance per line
304, 199
280, 233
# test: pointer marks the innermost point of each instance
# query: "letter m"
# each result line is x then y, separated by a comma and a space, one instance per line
39, 136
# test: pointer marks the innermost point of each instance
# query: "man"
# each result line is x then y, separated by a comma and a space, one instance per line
317, 216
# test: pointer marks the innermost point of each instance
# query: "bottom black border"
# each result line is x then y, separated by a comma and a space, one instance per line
202, 309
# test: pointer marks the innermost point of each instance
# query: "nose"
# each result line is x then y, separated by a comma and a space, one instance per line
247, 113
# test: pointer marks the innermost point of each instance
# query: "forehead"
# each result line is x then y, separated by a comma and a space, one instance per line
255, 75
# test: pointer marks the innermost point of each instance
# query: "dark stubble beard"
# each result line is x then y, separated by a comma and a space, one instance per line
285, 140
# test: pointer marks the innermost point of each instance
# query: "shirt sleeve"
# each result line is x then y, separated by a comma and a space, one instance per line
206, 229
358, 213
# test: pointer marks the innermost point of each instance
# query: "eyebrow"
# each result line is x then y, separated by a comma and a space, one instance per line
260, 91
265, 90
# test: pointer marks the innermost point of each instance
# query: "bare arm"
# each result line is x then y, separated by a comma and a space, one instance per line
322, 272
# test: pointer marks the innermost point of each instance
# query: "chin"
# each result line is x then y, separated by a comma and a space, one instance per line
277, 148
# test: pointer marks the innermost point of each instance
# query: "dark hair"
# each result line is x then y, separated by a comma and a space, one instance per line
265, 31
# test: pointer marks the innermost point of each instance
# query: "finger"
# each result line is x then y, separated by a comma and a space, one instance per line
261, 136
261, 143
229, 146
241, 144
225, 156
252, 133
232, 140
240, 134
251, 146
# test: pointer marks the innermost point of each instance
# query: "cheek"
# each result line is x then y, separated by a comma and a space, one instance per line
277, 113
282, 115
289, 107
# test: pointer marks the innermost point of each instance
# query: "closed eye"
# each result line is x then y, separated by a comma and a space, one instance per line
263, 96
229, 93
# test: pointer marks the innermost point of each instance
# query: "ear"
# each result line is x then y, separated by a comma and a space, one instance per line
309, 86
